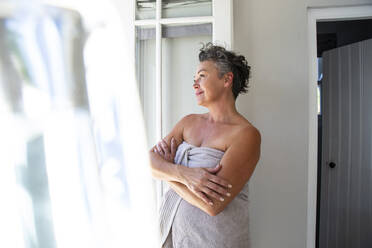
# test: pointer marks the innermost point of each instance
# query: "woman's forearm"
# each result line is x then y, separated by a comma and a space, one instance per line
163, 169
173, 174
194, 200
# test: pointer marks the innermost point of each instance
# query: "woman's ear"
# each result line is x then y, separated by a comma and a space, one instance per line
229, 79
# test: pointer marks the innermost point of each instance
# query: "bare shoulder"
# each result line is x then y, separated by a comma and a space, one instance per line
245, 146
181, 125
192, 119
251, 132
246, 132
184, 121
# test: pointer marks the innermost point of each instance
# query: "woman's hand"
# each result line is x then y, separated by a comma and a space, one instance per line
204, 183
201, 181
163, 150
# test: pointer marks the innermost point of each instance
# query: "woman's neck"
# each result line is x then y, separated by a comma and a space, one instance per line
223, 112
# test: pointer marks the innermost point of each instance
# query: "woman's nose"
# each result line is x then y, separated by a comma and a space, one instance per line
196, 84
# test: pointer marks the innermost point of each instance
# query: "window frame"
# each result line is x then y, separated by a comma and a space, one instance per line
222, 33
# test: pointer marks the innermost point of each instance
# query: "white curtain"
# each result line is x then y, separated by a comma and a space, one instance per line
74, 167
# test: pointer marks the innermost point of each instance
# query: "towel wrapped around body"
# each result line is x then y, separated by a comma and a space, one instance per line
184, 225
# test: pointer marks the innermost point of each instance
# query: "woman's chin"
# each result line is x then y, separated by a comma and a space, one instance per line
199, 100
200, 103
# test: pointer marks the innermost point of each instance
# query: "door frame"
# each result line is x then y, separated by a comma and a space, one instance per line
315, 15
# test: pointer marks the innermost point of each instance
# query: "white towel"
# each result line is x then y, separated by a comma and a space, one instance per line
193, 227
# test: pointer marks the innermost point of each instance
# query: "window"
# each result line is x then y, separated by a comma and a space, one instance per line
168, 36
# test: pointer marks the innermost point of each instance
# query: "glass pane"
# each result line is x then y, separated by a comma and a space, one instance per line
145, 9
146, 78
186, 8
180, 49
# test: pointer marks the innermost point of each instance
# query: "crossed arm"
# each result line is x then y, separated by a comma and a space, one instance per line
203, 187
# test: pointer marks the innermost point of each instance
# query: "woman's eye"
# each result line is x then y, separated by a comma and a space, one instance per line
202, 75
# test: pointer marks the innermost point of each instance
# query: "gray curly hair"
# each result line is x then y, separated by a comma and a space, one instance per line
228, 61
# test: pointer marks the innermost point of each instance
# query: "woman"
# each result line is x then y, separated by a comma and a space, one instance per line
207, 160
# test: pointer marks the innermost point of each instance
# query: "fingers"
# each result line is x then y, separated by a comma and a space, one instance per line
222, 191
159, 149
202, 196
164, 147
212, 193
219, 181
216, 179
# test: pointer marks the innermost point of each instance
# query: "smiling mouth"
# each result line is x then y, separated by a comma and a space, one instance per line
199, 93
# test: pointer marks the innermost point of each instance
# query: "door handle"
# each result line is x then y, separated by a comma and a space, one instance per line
332, 165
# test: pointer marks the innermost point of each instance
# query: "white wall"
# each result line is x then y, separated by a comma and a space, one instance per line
273, 36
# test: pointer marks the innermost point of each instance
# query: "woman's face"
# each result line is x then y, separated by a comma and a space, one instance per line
208, 87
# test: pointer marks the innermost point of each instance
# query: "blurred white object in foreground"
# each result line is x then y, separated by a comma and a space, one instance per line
74, 166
